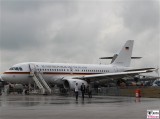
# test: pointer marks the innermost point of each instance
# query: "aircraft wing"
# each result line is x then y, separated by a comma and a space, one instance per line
127, 73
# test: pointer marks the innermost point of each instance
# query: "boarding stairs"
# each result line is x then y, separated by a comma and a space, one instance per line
38, 83
43, 82
39, 80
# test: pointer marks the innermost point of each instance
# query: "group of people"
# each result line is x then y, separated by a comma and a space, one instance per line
83, 90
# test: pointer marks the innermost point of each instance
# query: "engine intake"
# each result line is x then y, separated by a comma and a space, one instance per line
70, 83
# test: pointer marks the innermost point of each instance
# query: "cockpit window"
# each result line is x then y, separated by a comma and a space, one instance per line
11, 68
20, 68
16, 68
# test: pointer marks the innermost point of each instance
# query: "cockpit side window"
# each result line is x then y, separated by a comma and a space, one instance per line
16, 68
11, 68
20, 68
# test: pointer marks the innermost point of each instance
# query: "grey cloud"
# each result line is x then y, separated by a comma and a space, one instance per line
75, 40
31, 5
22, 26
77, 31
141, 15
20, 5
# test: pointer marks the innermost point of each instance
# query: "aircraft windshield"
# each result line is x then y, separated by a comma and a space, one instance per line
16, 68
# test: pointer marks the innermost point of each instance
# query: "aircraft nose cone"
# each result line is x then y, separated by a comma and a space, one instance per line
2, 77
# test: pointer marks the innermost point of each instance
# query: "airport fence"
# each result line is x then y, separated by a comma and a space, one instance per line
153, 92
116, 91
127, 91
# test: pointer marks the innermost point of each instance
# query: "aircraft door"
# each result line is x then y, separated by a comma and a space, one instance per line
32, 69
71, 70
115, 69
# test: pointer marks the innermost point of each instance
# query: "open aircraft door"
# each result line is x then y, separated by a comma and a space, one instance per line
115, 69
71, 70
32, 69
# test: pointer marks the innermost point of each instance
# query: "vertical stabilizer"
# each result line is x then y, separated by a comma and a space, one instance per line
124, 56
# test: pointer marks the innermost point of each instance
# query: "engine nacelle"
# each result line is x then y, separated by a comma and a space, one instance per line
70, 83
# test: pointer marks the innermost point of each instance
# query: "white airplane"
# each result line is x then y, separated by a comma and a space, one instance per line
69, 74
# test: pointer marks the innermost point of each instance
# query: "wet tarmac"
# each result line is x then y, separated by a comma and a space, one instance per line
61, 107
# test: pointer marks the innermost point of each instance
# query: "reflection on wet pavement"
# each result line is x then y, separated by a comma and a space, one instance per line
59, 107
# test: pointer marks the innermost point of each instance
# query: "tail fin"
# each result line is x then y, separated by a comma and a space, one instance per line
124, 56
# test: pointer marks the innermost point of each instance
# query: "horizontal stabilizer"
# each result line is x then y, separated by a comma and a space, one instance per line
112, 57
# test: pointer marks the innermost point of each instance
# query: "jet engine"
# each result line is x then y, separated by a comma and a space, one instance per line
70, 83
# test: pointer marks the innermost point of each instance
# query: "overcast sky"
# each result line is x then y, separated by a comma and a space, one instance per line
78, 31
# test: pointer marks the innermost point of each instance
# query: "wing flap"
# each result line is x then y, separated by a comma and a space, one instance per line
147, 69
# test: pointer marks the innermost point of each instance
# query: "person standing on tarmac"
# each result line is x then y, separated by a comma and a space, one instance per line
76, 91
90, 90
83, 90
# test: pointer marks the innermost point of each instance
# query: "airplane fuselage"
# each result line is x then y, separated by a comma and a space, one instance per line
70, 74
52, 72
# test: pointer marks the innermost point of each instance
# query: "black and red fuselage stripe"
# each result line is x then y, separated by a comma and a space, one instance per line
53, 73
